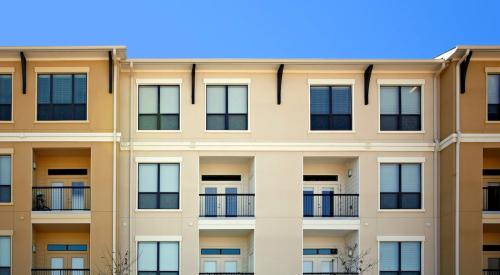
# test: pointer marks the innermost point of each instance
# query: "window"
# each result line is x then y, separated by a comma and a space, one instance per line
5, 97
159, 186
227, 107
400, 185
398, 258
158, 258
494, 97
5, 179
400, 108
320, 251
66, 247
5, 250
159, 107
331, 108
62, 97
220, 251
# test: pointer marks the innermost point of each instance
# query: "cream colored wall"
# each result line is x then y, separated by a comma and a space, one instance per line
241, 242
42, 257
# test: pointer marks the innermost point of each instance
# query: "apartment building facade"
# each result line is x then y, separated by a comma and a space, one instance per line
56, 159
277, 166
469, 157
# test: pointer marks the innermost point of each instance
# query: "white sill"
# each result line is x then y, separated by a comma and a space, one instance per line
158, 131
61, 121
228, 131
157, 210
401, 210
332, 132
401, 132
492, 121
6, 121
6, 203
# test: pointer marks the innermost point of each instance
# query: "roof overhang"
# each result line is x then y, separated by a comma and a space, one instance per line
481, 52
55, 53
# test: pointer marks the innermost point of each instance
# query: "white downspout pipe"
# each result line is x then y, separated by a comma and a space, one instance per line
115, 78
436, 122
457, 163
130, 158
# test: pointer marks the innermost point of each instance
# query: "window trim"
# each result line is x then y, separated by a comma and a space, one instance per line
402, 82
9, 235
227, 82
9, 152
158, 239
9, 71
332, 82
403, 160
489, 71
61, 70
420, 239
157, 82
152, 160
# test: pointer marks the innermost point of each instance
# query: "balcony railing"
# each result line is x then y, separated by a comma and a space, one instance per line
227, 205
226, 273
60, 272
491, 271
329, 273
491, 198
62, 198
331, 205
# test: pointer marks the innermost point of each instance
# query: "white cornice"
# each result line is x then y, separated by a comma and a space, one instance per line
57, 137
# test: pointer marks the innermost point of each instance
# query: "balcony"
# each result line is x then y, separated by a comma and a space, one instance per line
61, 198
491, 198
227, 205
491, 271
330, 205
60, 271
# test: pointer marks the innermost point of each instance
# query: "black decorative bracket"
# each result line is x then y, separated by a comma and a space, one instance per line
280, 78
463, 72
368, 76
23, 71
110, 71
193, 83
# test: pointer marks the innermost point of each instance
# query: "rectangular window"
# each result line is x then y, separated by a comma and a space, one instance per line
66, 247
493, 97
5, 254
400, 185
159, 185
158, 258
159, 107
220, 251
62, 97
227, 107
320, 251
5, 97
331, 108
400, 108
398, 258
5, 179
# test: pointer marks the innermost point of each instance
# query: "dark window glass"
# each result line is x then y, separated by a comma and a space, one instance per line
227, 107
400, 108
331, 108
158, 258
400, 186
66, 247
158, 186
6, 97
220, 251
159, 107
5, 178
494, 97
319, 251
61, 97
400, 258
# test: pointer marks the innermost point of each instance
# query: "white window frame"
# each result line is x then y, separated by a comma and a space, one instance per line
421, 239
9, 152
399, 160
158, 82
488, 71
141, 160
227, 81
9, 234
162, 238
332, 82
9, 71
61, 70
402, 82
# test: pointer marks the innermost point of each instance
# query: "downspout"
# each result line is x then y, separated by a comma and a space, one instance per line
130, 157
115, 78
436, 111
457, 163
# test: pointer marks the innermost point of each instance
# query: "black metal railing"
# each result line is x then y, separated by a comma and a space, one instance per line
329, 273
44, 271
227, 205
226, 273
331, 205
491, 271
61, 198
491, 198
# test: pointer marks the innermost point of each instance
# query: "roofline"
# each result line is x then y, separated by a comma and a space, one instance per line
304, 61
60, 48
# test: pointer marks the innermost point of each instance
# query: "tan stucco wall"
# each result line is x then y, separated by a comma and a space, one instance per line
447, 101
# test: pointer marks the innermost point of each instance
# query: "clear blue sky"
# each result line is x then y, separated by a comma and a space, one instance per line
255, 28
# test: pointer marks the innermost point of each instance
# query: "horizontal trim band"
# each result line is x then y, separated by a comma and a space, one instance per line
61, 137
400, 238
